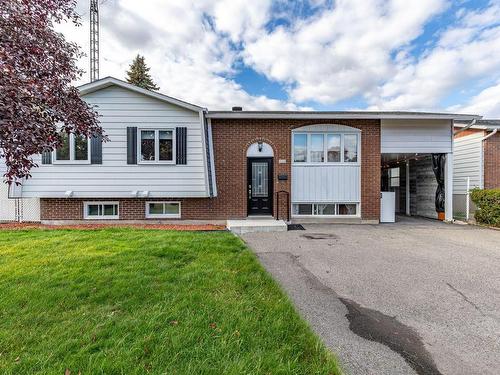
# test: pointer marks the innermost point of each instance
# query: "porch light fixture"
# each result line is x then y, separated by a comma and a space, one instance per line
68, 194
260, 146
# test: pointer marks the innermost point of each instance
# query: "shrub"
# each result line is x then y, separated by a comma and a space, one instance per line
488, 206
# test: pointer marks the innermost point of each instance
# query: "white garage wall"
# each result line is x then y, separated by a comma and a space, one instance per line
416, 136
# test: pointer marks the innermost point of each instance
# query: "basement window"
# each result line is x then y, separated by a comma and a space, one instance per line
163, 210
101, 210
325, 209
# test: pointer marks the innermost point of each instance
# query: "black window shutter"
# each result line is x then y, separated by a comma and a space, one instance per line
181, 145
132, 145
96, 150
47, 157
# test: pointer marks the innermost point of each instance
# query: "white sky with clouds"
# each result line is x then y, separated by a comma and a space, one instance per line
335, 52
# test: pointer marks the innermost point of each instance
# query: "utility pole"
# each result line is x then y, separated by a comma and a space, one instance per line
94, 40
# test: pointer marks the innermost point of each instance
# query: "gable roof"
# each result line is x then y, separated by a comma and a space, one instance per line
111, 81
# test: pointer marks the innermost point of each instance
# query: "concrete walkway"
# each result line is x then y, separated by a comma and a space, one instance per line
418, 297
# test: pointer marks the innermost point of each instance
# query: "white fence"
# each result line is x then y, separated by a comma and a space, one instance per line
463, 207
16, 209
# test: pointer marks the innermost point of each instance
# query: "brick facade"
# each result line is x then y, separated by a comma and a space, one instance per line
492, 162
231, 140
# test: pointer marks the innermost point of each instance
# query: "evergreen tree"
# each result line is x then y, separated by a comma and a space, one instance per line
138, 74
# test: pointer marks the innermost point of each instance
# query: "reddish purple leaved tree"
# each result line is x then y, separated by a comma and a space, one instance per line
37, 66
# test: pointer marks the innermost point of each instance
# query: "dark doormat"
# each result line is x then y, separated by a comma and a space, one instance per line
295, 227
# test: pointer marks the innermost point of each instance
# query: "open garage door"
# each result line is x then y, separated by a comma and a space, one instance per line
412, 179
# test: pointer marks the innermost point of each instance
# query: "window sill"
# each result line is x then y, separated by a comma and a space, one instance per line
163, 216
101, 218
156, 162
71, 162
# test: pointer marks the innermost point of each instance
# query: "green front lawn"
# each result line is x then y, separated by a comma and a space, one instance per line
132, 301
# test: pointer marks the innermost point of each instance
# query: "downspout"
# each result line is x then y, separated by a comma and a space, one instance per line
489, 135
209, 156
465, 127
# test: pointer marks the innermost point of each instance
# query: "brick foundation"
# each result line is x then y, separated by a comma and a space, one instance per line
231, 140
130, 208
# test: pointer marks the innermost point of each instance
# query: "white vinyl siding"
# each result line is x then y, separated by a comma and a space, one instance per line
120, 108
416, 136
468, 162
328, 183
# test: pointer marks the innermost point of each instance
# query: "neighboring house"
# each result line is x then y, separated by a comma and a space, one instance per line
167, 159
477, 158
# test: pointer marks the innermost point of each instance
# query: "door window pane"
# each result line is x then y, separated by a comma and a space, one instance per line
81, 147
259, 180
147, 145
300, 148
62, 152
333, 148
166, 144
351, 148
317, 148
394, 177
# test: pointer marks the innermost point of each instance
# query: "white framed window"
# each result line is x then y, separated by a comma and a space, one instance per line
163, 210
74, 149
326, 209
101, 210
317, 148
156, 145
394, 177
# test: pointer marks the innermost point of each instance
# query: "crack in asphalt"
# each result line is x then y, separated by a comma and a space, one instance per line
466, 299
375, 326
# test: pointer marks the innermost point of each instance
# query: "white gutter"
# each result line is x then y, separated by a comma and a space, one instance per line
490, 135
342, 115
465, 127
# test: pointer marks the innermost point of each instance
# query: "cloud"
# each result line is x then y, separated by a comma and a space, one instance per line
486, 103
189, 47
344, 51
467, 51
317, 51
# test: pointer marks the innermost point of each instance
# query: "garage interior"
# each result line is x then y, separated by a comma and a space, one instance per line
412, 180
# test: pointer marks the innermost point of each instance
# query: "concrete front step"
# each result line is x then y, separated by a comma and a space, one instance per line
256, 225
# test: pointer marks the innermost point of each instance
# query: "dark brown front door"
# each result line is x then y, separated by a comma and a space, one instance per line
260, 186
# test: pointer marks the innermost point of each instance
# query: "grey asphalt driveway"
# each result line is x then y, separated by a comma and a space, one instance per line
417, 297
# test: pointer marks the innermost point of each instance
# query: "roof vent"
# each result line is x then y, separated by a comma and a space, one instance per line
237, 109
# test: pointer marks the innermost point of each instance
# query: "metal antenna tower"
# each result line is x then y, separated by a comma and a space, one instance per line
94, 40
